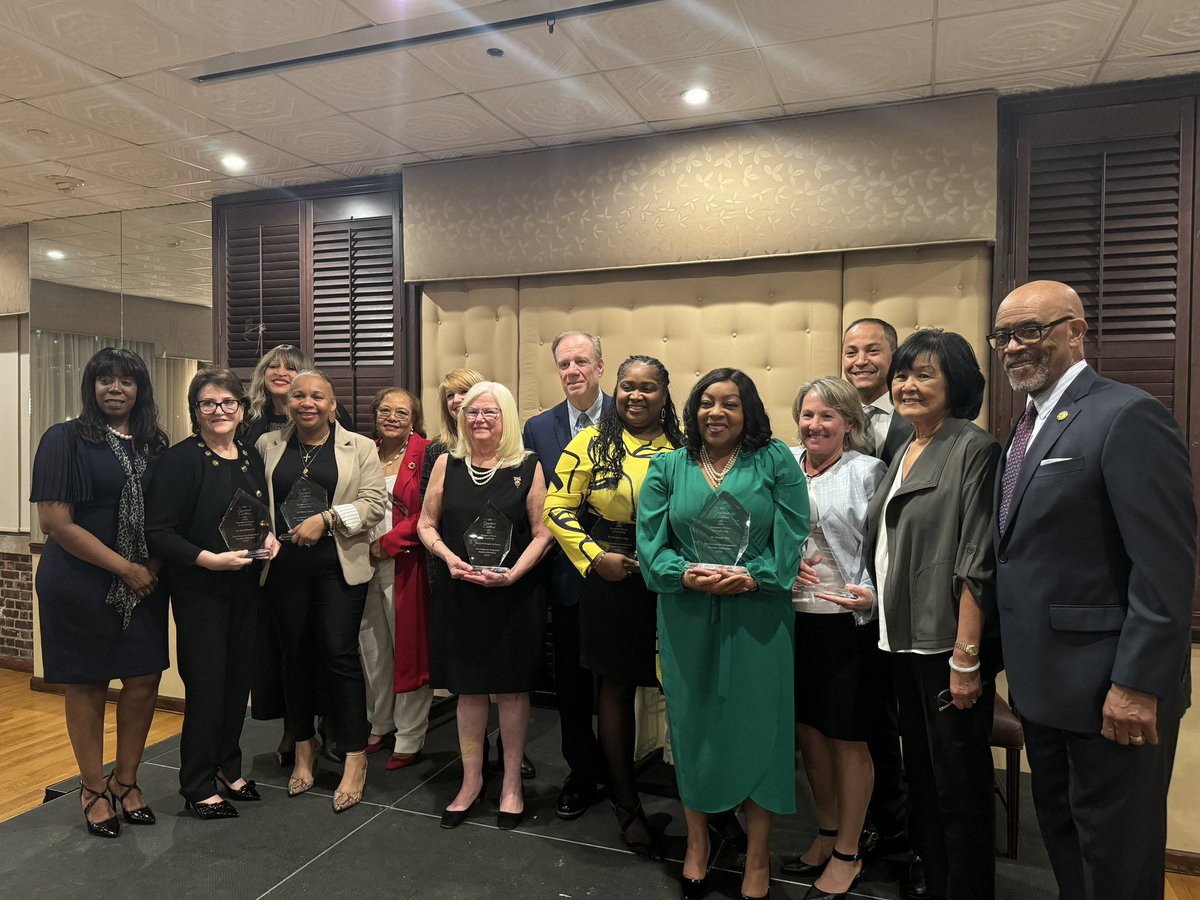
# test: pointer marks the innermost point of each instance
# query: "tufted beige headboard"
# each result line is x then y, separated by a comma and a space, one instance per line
779, 319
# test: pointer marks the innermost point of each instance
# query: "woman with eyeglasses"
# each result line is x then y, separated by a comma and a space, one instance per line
214, 589
394, 637
489, 612
101, 616
326, 491
929, 553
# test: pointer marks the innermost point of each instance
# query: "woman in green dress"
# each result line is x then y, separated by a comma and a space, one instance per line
725, 637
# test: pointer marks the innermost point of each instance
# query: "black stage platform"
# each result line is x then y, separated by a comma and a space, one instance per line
391, 846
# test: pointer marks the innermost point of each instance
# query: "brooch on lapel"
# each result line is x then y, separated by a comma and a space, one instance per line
411, 466
516, 481
1062, 416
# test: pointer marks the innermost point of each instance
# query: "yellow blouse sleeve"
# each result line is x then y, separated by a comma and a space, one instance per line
563, 503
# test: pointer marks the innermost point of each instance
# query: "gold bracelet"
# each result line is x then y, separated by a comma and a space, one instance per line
595, 562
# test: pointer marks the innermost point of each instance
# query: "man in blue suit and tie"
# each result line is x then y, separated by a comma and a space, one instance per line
580, 367
1095, 567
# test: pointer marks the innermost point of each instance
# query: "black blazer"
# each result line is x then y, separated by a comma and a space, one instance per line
547, 434
1096, 566
898, 433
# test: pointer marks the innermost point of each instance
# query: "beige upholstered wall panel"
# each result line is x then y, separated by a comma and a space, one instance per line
472, 325
919, 173
918, 287
779, 320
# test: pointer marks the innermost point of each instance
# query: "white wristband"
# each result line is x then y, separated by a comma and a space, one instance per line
963, 670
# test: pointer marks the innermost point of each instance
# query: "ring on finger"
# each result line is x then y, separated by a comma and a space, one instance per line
1137, 739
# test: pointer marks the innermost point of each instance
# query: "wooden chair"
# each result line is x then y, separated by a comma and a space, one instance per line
1008, 734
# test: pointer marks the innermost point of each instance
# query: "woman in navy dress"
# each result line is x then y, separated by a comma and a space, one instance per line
102, 616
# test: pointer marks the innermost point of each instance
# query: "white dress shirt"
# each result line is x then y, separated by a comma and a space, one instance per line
592, 411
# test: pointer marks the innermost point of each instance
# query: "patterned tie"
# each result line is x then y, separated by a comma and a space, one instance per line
872, 448
1016, 456
582, 422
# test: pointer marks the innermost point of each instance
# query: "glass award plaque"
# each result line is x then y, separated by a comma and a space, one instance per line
246, 525
304, 500
833, 579
488, 540
721, 534
615, 537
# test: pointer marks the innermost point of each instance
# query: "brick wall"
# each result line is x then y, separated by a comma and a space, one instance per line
16, 605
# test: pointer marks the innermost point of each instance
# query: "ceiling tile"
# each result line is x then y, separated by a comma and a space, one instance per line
107, 222
776, 22
15, 216
562, 106
136, 198
1135, 69
140, 166
129, 113
851, 64
440, 124
483, 149
737, 81
82, 245
327, 141
386, 78
706, 120
238, 25
655, 32
28, 69
206, 190
590, 137
65, 207
531, 54
41, 175
239, 102
210, 151
309, 175
21, 193
389, 165
30, 135
1153, 29
187, 215
394, 11
948, 9
831, 105
1024, 82
1052, 35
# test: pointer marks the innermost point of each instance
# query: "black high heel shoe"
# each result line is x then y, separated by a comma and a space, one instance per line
507, 821
815, 893
109, 828
695, 888
247, 792
142, 816
648, 848
797, 866
452, 818
222, 809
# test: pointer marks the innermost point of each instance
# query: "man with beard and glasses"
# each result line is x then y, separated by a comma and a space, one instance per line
1095, 549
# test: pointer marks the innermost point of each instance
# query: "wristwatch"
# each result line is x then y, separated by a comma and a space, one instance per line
969, 649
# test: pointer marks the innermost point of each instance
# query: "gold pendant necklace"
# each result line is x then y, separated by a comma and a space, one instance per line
307, 458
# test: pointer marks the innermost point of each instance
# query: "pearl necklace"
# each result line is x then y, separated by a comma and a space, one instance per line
399, 453
481, 480
122, 435
711, 471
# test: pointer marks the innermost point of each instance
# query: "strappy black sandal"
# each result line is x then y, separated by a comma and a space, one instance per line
797, 866
648, 848
110, 827
142, 816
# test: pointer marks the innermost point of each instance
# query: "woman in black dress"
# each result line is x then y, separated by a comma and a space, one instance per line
317, 586
486, 627
214, 590
101, 615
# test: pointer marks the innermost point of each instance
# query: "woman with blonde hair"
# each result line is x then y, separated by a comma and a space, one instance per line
451, 392
488, 621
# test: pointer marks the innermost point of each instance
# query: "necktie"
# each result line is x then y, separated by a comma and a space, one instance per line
872, 448
582, 422
1016, 456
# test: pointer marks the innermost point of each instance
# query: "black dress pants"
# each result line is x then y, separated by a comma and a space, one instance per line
888, 810
216, 623
317, 615
575, 695
948, 762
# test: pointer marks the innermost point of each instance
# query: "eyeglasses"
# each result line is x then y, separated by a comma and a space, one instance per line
490, 414
1026, 335
400, 415
229, 406
946, 699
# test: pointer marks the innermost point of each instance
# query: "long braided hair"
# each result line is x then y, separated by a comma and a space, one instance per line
607, 452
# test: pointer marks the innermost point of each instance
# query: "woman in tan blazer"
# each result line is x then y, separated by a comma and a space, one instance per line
325, 488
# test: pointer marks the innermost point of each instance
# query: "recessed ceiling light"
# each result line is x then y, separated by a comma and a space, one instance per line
56, 254
495, 51
233, 162
696, 96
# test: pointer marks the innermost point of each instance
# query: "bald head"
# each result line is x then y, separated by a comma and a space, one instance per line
1036, 365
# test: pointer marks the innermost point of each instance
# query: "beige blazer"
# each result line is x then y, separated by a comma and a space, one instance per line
360, 483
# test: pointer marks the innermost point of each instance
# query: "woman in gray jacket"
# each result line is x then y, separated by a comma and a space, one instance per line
929, 551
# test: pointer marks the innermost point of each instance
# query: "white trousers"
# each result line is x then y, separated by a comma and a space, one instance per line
405, 714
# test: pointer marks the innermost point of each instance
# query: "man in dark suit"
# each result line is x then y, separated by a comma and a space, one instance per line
867, 349
580, 367
1095, 550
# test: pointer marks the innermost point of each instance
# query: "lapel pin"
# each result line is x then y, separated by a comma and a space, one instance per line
412, 465
1062, 416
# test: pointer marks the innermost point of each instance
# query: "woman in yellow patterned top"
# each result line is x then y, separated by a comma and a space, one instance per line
592, 516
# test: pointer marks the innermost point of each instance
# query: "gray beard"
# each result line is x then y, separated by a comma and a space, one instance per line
1033, 383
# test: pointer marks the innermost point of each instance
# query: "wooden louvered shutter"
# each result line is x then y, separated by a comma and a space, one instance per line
259, 271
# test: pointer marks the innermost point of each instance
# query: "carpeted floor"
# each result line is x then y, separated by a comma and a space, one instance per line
391, 846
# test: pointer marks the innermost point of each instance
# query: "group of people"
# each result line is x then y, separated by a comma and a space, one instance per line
850, 596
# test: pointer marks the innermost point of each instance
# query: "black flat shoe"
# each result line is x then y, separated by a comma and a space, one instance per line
247, 792
222, 809
796, 865
452, 818
694, 888
726, 827
815, 893
109, 828
142, 816
575, 798
507, 821
648, 848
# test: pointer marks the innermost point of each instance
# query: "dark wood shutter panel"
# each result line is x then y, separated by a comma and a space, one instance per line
262, 289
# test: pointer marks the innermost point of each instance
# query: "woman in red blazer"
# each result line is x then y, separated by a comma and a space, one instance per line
394, 637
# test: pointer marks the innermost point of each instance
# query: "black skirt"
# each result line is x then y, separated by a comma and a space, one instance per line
840, 676
618, 635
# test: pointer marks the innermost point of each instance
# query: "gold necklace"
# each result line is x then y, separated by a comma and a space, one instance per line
307, 458
711, 471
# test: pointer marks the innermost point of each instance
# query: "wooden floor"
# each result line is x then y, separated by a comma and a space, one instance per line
33, 734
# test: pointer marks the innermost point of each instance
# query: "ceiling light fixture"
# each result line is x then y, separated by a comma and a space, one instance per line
233, 162
696, 96
56, 254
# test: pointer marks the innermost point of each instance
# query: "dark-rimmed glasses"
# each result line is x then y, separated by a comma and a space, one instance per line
945, 699
1026, 335
228, 406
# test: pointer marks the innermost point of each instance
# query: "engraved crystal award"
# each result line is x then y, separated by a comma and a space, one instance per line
305, 500
721, 534
615, 537
246, 525
488, 540
829, 570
